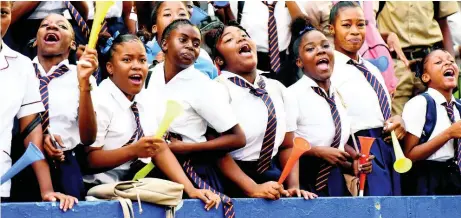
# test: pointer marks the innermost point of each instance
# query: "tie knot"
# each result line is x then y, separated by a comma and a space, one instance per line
448, 104
262, 83
134, 108
270, 6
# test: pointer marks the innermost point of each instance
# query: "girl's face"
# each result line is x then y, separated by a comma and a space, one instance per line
128, 67
349, 30
316, 57
440, 71
55, 36
167, 13
238, 51
5, 16
182, 46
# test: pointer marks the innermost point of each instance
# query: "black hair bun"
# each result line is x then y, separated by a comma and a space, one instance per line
299, 25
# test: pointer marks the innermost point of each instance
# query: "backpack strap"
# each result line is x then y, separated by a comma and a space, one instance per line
431, 118
240, 6
458, 106
381, 6
149, 73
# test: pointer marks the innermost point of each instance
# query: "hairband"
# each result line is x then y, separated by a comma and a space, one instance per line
306, 29
109, 43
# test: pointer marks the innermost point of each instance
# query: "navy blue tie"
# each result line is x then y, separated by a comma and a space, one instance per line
322, 176
44, 82
265, 155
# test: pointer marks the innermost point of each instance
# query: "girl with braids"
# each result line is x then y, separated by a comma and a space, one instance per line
433, 125
321, 116
263, 109
363, 90
121, 119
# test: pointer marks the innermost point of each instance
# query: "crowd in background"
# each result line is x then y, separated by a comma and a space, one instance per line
250, 76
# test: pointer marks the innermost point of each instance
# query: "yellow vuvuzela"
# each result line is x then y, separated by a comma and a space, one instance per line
173, 110
401, 164
102, 7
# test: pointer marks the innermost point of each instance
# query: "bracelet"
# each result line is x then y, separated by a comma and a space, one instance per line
89, 88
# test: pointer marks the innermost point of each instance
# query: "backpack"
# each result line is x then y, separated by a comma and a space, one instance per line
431, 117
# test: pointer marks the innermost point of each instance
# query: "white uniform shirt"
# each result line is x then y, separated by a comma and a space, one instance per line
46, 8
20, 97
201, 98
314, 120
115, 10
359, 96
116, 125
63, 103
414, 116
252, 114
255, 16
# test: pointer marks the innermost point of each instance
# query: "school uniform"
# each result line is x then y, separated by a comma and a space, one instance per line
264, 122
436, 174
114, 19
117, 126
415, 24
270, 37
201, 99
316, 123
368, 106
61, 112
20, 98
25, 29
203, 63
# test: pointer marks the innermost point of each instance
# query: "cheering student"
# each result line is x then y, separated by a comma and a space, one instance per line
262, 107
66, 94
364, 92
434, 128
321, 116
121, 118
21, 99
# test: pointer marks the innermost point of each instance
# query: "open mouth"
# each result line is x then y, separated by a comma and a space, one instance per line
245, 49
449, 73
323, 63
51, 38
136, 79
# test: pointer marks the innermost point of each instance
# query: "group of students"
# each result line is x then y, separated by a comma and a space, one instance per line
236, 131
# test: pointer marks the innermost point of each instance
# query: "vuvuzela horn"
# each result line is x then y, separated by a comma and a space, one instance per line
365, 145
299, 148
102, 7
31, 155
173, 110
401, 164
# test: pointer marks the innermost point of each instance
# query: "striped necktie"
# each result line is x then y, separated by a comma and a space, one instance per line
138, 133
228, 206
457, 142
265, 155
44, 82
379, 90
324, 171
79, 19
274, 55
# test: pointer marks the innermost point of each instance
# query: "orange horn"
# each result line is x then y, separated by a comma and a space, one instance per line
365, 144
300, 147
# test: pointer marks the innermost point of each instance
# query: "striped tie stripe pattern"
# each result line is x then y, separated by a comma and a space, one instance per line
44, 82
379, 90
457, 142
321, 181
274, 56
228, 206
138, 133
265, 156
79, 19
